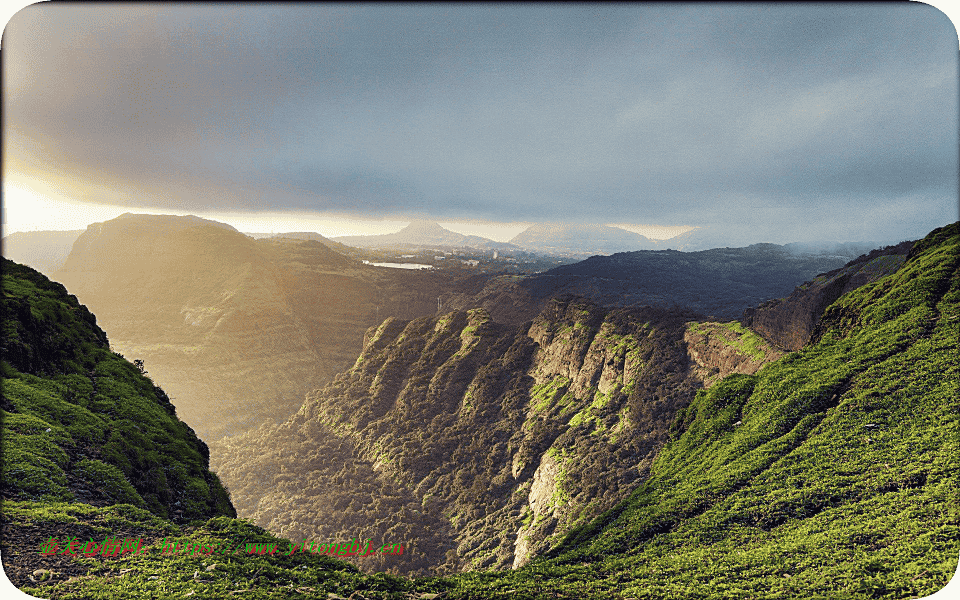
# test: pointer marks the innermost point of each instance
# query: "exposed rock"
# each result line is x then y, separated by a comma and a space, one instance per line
720, 349
789, 322
544, 486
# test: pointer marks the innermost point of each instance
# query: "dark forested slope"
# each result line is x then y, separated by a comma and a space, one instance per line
830, 473
722, 282
789, 322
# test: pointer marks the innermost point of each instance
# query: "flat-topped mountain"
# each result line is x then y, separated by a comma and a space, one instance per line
203, 306
737, 502
237, 330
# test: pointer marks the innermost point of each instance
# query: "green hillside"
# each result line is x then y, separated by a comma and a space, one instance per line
93, 451
832, 473
80, 423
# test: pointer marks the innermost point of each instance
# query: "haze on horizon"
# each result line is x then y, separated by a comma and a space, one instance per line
769, 122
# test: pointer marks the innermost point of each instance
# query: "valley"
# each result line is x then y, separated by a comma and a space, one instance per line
238, 330
498, 446
480, 301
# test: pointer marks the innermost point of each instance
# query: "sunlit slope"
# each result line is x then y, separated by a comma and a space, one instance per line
80, 423
833, 473
93, 450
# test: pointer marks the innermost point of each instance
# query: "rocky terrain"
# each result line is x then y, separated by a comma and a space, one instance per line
238, 330
451, 432
789, 322
491, 439
479, 443
721, 349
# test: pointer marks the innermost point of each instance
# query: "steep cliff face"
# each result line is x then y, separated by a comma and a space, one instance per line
488, 440
203, 306
788, 322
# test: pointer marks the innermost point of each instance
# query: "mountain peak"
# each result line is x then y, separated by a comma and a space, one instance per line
425, 227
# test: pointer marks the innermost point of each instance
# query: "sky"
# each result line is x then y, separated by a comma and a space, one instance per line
771, 122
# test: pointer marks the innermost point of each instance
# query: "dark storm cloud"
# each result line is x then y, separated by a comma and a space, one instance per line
804, 120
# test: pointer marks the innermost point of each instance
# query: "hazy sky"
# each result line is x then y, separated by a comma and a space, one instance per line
792, 122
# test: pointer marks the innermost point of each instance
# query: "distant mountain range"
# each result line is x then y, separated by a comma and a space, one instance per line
497, 443
47, 250
581, 240
225, 321
592, 450
722, 282
577, 241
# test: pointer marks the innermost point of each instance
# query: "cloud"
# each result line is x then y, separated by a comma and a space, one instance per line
670, 114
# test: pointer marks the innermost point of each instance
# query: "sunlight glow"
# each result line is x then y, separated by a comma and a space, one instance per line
36, 206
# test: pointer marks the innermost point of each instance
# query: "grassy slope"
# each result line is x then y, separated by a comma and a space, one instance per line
832, 473
82, 423
225, 573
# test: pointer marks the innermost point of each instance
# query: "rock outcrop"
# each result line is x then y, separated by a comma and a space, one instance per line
721, 349
789, 322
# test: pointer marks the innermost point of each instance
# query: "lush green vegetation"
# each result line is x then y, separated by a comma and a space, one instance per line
735, 335
436, 436
225, 572
831, 473
81, 423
